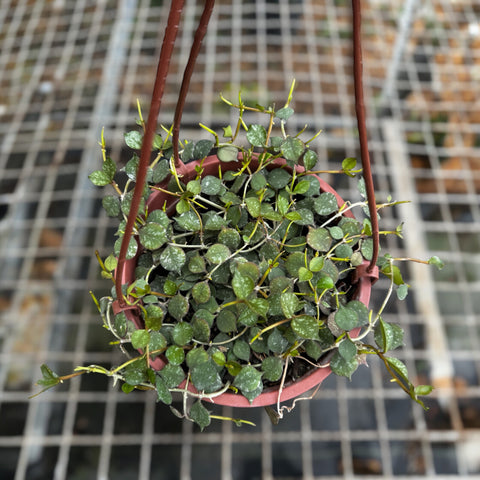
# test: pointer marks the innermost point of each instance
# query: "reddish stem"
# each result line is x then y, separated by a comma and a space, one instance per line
362, 129
173, 22
187, 75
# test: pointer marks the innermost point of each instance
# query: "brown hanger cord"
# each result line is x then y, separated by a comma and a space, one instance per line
362, 129
187, 75
171, 30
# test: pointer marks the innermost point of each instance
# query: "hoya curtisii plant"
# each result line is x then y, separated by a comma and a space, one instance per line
244, 279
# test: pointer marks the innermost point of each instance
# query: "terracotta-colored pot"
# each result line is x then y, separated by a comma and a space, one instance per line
269, 396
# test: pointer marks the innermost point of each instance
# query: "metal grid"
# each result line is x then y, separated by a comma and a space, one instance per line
69, 68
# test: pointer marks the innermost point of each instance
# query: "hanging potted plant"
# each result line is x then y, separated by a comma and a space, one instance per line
241, 277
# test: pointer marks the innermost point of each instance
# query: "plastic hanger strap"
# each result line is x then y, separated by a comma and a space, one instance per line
362, 132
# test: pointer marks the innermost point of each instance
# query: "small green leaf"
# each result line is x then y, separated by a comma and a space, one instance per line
248, 379
306, 217
163, 393
348, 164
140, 338
305, 326
178, 307
310, 159
229, 237
196, 264
172, 258
172, 375
175, 355
422, 390
437, 261
202, 149
49, 377
258, 181
319, 239
226, 321
131, 250
200, 415
302, 187
131, 168
257, 135
278, 178
399, 367
160, 171
218, 253
194, 187
367, 248
170, 287
313, 349
294, 263
344, 251
126, 388
157, 341
182, 332
259, 306
152, 236
289, 303
182, 206
153, 320
293, 216
109, 168
276, 342
100, 178
361, 310
111, 204
347, 349
346, 318
241, 349
234, 368
205, 377
157, 142
201, 330
242, 286
356, 259
213, 221
111, 263
393, 272
218, 357
325, 204
316, 264
120, 324
197, 356
211, 185
227, 154
253, 206
134, 139
227, 131
201, 292
272, 368
292, 148
188, 149
304, 274
189, 221
336, 233
284, 113
135, 373
282, 205
342, 367
402, 291
388, 336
